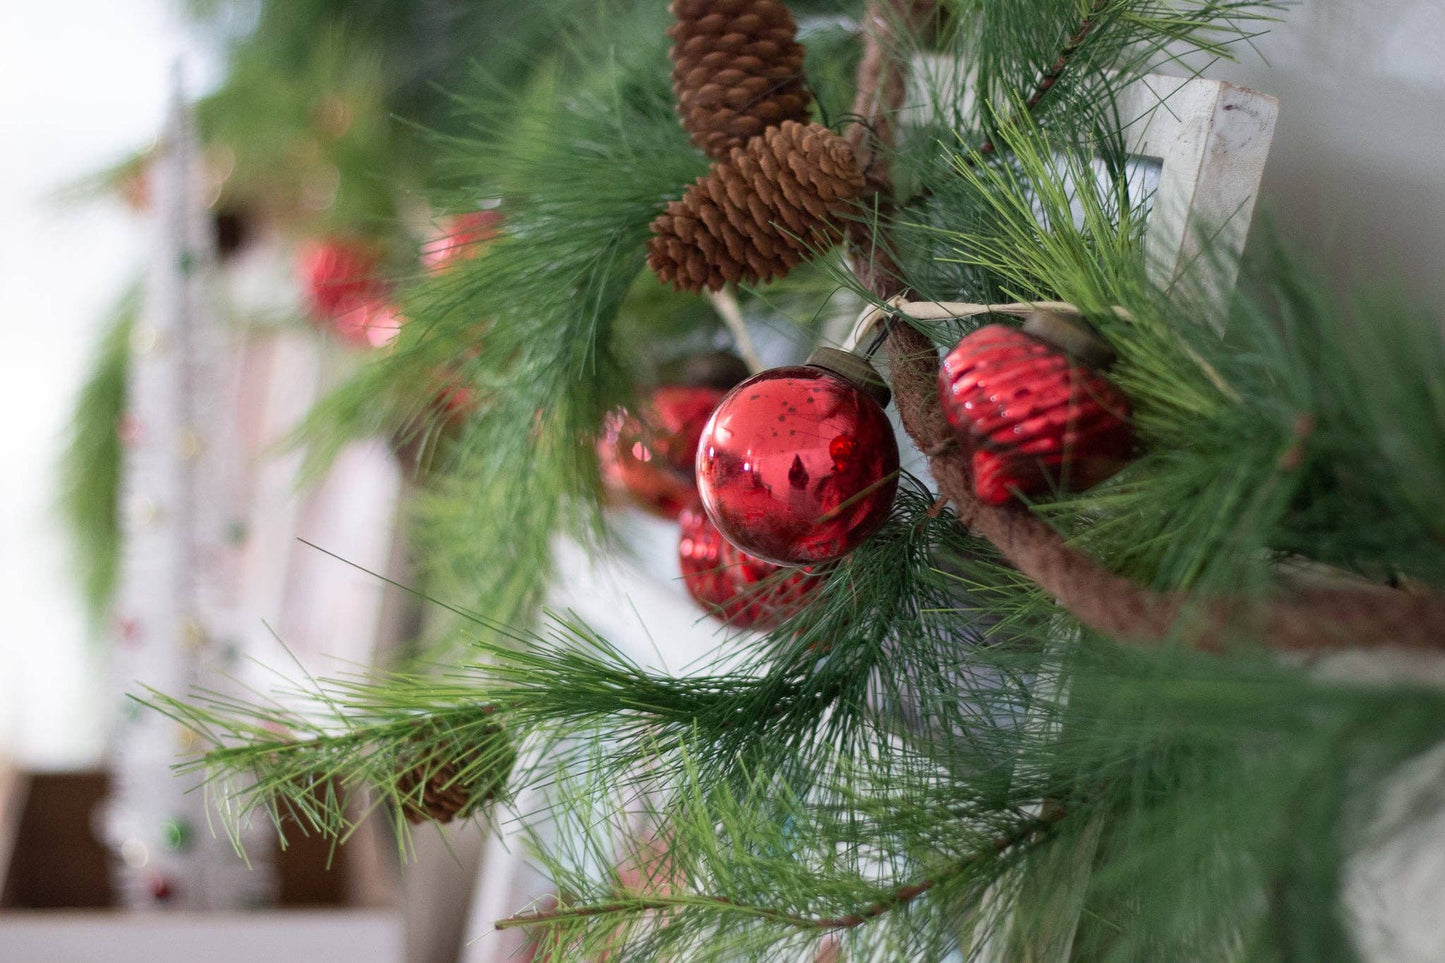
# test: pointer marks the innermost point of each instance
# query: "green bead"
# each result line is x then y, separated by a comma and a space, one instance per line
176, 834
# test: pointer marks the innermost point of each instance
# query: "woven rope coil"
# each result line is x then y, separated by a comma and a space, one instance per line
737, 70
754, 217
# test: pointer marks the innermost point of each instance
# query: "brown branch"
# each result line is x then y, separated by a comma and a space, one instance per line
1304, 620
1056, 69
901, 896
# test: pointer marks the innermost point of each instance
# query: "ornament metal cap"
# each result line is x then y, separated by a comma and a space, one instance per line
854, 369
1070, 333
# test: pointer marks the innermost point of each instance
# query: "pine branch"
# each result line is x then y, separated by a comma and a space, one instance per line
899, 897
1305, 621
1056, 69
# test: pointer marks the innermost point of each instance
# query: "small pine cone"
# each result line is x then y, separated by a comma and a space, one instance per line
737, 70
760, 213
443, 795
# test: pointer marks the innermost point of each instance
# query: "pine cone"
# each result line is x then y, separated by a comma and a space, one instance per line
759, 214
443, 795
737, 70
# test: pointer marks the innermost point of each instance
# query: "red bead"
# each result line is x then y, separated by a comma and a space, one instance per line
1033, 419
339, 275
460, 238
656, 450
161, 888
734, 586
797, 466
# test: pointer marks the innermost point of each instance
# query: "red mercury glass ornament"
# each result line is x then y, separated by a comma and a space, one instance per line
733, 586
340, 274
656, 449
1032, 410
799, 465
459, 238
369, 322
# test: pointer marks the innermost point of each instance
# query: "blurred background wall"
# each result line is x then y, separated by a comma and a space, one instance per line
82, 84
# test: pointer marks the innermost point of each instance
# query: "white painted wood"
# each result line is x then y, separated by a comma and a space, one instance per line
1212, 139
53, 936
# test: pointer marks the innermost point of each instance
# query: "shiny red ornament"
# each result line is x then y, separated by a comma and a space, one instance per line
369, 323
459, 238
798, 466
656, 449
339, 275
734, 586
1033, 418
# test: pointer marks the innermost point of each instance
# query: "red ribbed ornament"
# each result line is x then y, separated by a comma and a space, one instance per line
798, 465
732, 585
656, 449
1034, 419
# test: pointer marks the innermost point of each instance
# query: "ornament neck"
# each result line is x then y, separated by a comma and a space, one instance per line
1070, 333
854, 369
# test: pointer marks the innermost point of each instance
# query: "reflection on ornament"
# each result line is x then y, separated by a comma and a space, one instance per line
797, 466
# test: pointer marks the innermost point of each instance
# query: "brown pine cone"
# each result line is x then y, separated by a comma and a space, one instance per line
760, 213
443, 795
737, 70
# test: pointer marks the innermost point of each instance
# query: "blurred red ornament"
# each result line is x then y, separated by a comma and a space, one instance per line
799, 465
459, 238
161, 888
369, 323
656, 449
607, 462
339, 275
1033, 418
733, 585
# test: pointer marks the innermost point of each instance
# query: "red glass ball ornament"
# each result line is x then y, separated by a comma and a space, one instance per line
656, 449
797, 466
338, 275
1033, 418
459, 238
369, 323
734, 586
